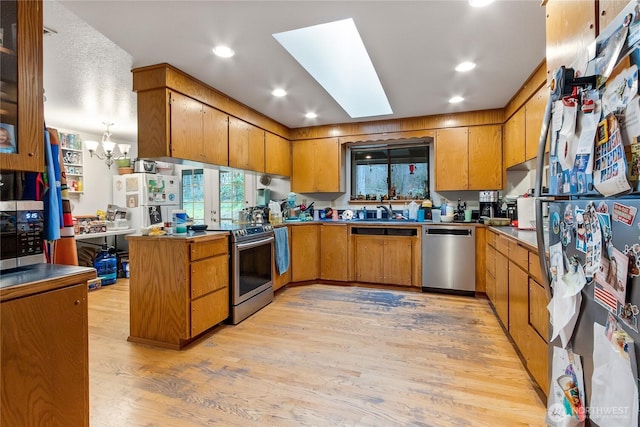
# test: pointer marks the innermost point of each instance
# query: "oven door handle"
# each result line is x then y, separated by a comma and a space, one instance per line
254, 244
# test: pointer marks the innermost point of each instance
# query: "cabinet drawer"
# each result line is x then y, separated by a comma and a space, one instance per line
491, 238
201, 250
502, 245
537, 357
491, 260
209, 310
538, 313
209, 275
519, 255
534, 266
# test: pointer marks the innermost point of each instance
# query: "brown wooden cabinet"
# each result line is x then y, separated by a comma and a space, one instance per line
198, 132
246, 146
280, 280
277, 155
491, 267
305, 252
21, 98
501, 303
179, 287
316, 166
44, 356
534, 116
334, 252
518, 305
384, 259
469, 158
514, 139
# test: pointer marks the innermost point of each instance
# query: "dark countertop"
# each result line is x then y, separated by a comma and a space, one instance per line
198, 235
37, 278
386, 223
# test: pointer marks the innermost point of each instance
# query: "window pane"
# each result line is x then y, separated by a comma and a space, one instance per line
231, 195
193, 194
404, 169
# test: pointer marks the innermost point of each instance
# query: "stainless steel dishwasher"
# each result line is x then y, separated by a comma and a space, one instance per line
449, 259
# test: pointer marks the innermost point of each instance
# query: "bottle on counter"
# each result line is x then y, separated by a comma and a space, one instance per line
364, 212
379, 213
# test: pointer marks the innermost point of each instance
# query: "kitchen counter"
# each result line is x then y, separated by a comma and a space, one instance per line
38, 278
386, 223
197, 236
528, 237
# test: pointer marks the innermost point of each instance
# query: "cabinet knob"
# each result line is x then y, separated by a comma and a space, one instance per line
76, 302
31, 154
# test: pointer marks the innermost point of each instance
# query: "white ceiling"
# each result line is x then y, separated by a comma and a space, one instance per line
414, 46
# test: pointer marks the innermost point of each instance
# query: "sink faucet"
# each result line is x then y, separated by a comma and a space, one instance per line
388, 210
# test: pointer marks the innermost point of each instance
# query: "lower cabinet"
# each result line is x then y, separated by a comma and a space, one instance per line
45, 359
513, 287
386, 260
305, 250
334, 252
178, 288
280, 280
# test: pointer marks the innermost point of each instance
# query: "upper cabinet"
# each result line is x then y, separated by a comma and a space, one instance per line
316, 166
514, 139
277, 155
246, 146
468, 158
534, 116
21, 92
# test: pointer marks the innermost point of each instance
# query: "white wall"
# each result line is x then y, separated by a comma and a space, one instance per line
98, 179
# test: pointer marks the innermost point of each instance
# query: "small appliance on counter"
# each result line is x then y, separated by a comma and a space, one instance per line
21, 233
525, 213
490, 204
144, 166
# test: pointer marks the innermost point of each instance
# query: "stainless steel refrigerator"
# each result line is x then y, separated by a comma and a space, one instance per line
588, 225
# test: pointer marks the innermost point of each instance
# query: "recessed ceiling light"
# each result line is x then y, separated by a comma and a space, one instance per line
279, 92
223, 51
456, 99
311, 115
480, 3
334, 55
466, 66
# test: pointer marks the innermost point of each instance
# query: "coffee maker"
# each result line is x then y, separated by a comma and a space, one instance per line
489, 204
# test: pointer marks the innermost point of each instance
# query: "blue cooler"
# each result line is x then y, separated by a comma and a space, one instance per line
106, 265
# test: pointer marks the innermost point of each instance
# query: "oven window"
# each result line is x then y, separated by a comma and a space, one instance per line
255, 268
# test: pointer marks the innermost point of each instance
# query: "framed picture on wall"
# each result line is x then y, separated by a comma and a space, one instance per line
7, 139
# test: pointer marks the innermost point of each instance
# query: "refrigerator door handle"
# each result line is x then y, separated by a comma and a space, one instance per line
542, 253
542, 143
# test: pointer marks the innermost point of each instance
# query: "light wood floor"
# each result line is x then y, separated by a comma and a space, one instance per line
317, 356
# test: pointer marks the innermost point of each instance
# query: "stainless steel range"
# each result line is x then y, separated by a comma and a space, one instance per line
251, 269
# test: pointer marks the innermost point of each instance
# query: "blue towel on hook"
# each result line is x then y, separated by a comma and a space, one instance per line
282, 249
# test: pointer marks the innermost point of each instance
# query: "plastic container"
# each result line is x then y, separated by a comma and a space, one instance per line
106, 265
179, 221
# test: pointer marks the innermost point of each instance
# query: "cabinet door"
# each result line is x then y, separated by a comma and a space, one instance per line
397, 263
255, 158
277, 155
186, 127
327, 165
538, 313
491, 274
44, 359
534, 114
305, 262
209, 310
154, 123
518, 306
569, 31
369, 259
303, 166
514, 136
485, 157
22, 88
280, 280
452, 159
537, 358
334, 252
215, 136
209, 274
502, 288
238, 144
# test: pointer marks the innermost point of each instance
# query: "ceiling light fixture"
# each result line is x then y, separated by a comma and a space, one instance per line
223, 51
480, 3
456, 99
334, 55
311, 115
465, 66
107, 147
279, 92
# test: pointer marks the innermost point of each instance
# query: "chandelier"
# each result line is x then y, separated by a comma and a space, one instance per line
104, 150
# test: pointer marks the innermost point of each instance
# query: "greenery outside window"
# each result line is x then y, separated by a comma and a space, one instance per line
232, 197
398, 171
193, 194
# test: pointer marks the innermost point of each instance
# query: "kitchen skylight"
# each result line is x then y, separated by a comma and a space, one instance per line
334, 55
